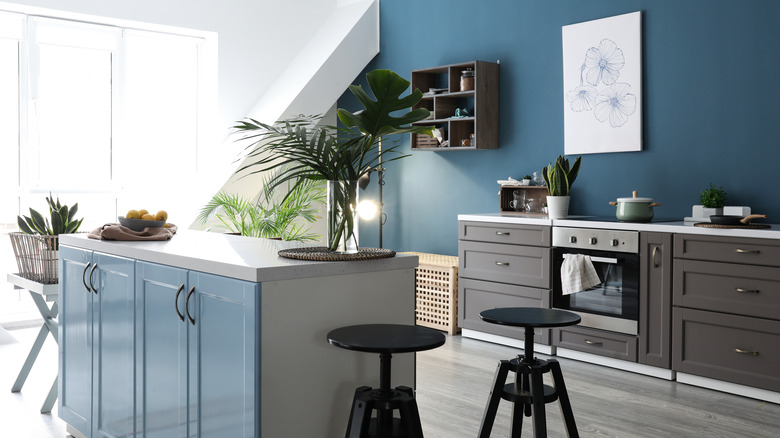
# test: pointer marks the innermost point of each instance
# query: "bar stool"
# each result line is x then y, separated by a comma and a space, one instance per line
385, 339
528, 390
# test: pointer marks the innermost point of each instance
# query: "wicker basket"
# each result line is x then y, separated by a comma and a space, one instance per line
437, 291
36, 256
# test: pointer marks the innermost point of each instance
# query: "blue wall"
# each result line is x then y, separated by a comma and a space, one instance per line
711, 109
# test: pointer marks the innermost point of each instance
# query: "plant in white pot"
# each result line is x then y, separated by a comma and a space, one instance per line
559, 177
712, 200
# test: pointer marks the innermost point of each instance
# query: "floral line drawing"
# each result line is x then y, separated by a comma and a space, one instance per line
613, 102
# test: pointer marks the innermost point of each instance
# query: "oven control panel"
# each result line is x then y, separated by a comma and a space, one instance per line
596, 239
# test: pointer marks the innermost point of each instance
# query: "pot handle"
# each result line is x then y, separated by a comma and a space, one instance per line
612, 203
655, 204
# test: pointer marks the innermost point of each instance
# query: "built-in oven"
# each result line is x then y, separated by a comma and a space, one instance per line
613, 304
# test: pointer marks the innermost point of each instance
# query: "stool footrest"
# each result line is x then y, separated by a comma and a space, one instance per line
515, 395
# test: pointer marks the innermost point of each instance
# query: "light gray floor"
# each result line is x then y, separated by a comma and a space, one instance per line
20, 415
453, 383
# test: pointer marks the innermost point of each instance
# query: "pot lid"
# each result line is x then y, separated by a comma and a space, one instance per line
635, 198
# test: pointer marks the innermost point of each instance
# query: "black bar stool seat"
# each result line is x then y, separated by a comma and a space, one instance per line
385, 339
528, 393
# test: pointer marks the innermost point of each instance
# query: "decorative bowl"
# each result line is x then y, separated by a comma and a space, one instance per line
139, 224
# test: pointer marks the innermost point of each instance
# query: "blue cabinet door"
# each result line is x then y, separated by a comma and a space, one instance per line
161, 354
74, 405
223, 357
113, 327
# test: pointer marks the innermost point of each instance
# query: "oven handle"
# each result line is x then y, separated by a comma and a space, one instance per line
599, 259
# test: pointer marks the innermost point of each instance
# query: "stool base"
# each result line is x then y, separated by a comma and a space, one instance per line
528, 394
368, 399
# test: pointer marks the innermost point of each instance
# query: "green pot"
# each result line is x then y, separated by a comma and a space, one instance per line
635, 209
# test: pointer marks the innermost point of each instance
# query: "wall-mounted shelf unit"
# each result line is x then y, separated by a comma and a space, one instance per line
443, 97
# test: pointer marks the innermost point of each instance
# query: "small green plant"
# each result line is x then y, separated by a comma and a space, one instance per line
559, 176
62, 220
712, 197
527, 177
267, 216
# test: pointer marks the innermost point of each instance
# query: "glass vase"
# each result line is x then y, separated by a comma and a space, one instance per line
342, 217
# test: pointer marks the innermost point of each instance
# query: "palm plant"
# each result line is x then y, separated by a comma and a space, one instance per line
268, 216
62, 220
314, 152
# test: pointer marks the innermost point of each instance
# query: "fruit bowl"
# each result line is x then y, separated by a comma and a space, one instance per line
139, 224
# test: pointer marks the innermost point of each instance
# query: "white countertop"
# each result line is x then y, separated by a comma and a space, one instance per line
680, 227
244, 258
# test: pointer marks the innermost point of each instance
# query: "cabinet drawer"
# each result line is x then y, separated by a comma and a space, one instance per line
764, 252
728, 288
535, 235
475, 296
709, 344
594, 341
520, 265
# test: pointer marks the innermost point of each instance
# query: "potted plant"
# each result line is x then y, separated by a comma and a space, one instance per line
36, 247
526, 181
712, 200
272, 215
559, 177
310, 151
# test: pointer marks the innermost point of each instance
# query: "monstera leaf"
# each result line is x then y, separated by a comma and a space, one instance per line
376, 119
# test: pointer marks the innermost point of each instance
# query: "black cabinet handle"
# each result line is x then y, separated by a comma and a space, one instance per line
746, 291
187, 305
176, 302
91, 285
84, 277
748, 251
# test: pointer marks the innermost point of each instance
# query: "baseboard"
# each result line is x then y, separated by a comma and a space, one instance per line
731, 388
647, 370
503, 340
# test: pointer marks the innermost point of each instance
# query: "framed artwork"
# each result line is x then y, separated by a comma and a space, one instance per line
602, 85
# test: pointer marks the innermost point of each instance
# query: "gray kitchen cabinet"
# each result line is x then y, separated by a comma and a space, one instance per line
726, 319
502, 265
655, 299
600, 342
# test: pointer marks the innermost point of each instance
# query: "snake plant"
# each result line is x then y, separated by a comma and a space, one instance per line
62, 219
559, 176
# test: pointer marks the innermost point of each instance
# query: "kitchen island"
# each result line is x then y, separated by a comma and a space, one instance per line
216, 335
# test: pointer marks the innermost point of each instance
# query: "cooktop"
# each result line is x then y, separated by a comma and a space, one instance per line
615, 219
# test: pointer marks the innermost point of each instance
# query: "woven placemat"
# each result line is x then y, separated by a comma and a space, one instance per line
733, 227
322, 254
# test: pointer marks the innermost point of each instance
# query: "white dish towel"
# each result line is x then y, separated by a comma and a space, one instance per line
578, 274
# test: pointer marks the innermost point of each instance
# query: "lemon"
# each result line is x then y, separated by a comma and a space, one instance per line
142, 212
148, 217
166, 225
133, 214
162, 215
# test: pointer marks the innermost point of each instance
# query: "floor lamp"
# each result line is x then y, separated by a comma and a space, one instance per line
363, 182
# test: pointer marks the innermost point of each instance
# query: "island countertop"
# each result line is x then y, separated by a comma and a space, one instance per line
245, 258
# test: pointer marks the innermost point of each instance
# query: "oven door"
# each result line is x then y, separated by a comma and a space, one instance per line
612, 305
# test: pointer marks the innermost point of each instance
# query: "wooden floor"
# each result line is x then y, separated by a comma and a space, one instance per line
453, 383
452, 387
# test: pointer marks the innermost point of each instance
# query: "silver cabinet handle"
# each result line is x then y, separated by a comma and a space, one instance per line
176, 302
84, 277
187, 305
596, 343
502, 233
746, 291
502, 263
748, 251
741, 351
655, 251
91, 285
